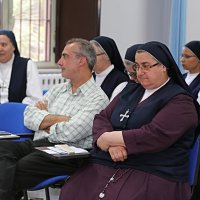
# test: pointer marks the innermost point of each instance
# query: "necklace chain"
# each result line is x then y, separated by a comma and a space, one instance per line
112, 180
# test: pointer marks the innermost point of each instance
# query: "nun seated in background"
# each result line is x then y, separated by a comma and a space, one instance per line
129, 62
141, 141
19, 79
109, 68
190, 60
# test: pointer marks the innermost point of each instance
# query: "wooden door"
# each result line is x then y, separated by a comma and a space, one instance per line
76, 18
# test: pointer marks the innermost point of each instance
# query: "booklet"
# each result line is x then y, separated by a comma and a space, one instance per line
64, 151
7, 135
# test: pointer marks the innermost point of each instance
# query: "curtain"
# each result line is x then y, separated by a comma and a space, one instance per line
177, 29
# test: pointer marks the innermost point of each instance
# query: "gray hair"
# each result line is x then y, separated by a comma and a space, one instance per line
86, 50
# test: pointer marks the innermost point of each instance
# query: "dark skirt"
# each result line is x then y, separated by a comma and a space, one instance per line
93, 180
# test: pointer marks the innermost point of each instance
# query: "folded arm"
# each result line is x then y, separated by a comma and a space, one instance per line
50, 120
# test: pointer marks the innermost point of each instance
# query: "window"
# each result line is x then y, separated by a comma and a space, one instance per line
33, 22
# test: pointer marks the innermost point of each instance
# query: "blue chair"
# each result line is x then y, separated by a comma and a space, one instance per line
44, 91
12, 120
51, 182
194, 162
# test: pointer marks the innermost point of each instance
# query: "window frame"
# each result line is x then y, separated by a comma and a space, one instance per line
5, 6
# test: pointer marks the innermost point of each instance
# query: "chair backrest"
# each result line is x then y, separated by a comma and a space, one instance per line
12, 118
49, 182
55, 181
194, 162
44, 91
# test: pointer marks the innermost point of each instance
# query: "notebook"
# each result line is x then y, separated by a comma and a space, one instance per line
7, 135
64, 151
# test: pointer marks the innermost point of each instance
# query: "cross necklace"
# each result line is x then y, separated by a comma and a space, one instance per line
112, 180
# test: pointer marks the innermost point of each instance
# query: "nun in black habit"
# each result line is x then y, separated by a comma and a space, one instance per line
142, 139
109, 68
190, 60
19, 79
129, 62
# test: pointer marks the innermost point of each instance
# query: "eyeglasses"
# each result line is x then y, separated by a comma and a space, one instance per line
186, 56
145, 67
98, 54
131, 74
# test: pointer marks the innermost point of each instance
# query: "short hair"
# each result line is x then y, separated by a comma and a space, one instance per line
85, 49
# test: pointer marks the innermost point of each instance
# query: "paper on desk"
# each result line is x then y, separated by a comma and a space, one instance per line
78, 150
55, 150
50, 151
69, 150
66, 148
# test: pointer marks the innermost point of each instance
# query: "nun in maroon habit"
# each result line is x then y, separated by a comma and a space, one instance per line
142, 139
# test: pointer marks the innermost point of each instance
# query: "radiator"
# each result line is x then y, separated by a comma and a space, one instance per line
48, 80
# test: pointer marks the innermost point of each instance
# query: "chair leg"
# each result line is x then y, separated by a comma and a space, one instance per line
25, 195
47, 193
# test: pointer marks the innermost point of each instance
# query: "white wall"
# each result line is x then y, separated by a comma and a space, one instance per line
136, 21
193, 16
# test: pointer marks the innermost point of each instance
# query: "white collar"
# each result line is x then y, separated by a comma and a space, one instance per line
5, 70
106, 71
190, 77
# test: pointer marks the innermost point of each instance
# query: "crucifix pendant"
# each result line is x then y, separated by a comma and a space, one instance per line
125, 115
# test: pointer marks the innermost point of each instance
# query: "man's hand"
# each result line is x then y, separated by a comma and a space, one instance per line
118, 153
42, 105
